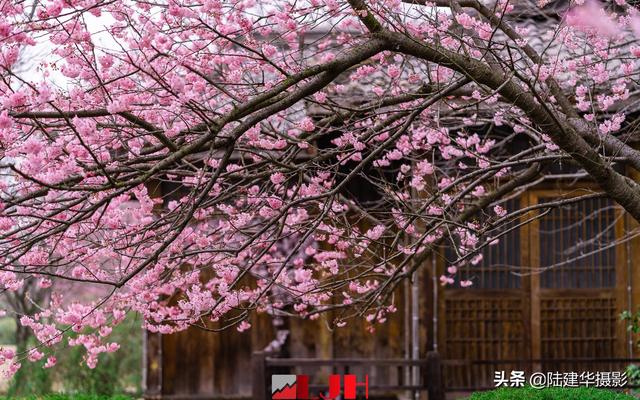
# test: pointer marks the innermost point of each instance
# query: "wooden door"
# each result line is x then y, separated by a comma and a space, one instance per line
489, 320
578, 291
550, 289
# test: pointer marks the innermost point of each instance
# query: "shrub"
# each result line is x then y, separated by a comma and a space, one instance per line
529, 393
32, 378
115, 373
119, 372
29, 379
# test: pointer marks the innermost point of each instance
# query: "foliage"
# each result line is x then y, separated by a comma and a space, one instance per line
7, 331
198, 161
633, 326
553, 393
115, 373
30, 379
633, 376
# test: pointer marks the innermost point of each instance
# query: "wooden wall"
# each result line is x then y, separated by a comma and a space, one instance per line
203, 364
531, 318
565, 304
200, 364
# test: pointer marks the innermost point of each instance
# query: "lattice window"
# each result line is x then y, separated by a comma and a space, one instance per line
500, 261
577, 245
482, 329
577, 328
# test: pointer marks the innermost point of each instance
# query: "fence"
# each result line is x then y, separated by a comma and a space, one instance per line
263, 366
437, 376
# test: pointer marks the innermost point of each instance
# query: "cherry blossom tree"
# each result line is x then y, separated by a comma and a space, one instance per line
202, 160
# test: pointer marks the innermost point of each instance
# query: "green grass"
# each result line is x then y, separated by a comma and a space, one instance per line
582, 393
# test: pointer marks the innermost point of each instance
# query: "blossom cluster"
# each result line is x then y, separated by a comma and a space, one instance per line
197, 161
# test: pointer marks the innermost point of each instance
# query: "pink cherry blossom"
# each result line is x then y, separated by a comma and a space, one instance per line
307, 125
190, 159
591, 17
51, 362
500, 212
376, 232
465, 20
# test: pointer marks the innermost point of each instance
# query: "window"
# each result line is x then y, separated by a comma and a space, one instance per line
500, 262
577, 245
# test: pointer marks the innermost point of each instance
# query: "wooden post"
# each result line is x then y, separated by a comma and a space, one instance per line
259, 378
152, 365
432, 376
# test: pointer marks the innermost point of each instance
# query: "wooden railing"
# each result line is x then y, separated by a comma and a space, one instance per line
430, 367
432, 371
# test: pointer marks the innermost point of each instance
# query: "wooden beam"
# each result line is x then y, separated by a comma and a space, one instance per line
259, 378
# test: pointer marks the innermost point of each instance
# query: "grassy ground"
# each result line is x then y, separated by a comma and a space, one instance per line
553, 393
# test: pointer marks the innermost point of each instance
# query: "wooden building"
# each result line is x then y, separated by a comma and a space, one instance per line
519, 315
547, 297
565, 318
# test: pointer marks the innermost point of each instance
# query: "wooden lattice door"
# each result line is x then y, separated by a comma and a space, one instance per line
550, 289
579, 293
490, 320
